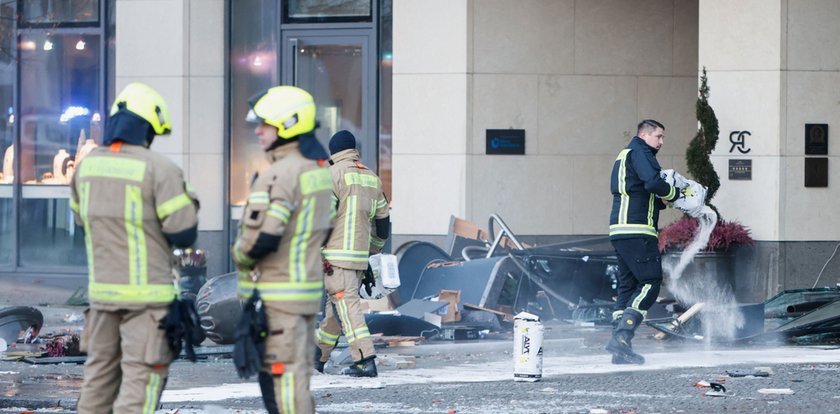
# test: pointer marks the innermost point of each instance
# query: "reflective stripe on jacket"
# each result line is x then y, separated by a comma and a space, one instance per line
289, 207
637, 191
126, 199
360, 199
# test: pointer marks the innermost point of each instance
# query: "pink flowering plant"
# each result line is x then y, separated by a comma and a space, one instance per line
726, 235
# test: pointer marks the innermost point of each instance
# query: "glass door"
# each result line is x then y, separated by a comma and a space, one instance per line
336, 67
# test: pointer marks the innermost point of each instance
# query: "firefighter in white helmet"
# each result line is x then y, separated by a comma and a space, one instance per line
278, 249
134, 206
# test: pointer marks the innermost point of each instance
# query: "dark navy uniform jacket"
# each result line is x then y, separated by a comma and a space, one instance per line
638, 191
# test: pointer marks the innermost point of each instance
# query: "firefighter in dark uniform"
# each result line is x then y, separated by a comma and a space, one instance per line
638, 194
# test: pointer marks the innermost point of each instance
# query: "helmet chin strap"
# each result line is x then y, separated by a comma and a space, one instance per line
279, 142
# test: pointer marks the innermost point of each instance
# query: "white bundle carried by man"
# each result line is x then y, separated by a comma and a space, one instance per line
692, 194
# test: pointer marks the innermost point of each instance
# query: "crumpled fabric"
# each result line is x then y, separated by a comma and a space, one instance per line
182, 327
249, 339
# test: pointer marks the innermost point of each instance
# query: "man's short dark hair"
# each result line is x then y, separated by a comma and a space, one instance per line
649, 125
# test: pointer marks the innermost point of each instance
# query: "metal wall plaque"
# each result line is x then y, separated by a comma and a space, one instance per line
816, 172
740, 169
505, 142
816, 139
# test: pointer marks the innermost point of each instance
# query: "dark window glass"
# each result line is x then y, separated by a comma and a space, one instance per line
7, 132
386, 59
253, 68
60, 12
60, 113
327, 10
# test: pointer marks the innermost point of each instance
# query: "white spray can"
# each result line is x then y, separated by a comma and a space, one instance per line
527, 347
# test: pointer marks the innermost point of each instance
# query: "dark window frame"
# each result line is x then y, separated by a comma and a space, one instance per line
101, 7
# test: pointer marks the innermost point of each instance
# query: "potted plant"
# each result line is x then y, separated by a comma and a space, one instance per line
715, 261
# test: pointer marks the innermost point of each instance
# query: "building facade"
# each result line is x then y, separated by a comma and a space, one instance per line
422, 83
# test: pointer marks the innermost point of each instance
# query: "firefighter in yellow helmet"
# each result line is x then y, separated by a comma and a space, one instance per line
363, 225
278, 249
134, 206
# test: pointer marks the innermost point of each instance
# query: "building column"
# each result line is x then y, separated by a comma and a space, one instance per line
431, 84
177, 48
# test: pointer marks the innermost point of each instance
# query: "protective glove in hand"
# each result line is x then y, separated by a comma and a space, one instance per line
251, 333
674, 178
692, 199
369, 281
182, 328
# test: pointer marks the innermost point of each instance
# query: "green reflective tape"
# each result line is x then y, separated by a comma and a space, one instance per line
616, 229
113, 167
111, 292
172, 205
303, 232
642, 294
281, 291
349, 222
279, 212
83, 211
137, 257
74, 205
315, 180
287, 392
364, 180
346, 255
258, 197
650, 210
152, 392
622, 186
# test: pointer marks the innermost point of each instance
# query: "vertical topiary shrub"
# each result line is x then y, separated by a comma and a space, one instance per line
701, 146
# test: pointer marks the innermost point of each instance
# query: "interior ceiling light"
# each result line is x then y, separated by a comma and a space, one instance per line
48, 45
80, 45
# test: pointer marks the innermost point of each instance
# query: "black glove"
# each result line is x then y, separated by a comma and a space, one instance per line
251, 332
369, 281
182, 328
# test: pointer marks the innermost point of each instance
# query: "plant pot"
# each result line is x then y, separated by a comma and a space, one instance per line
709, 277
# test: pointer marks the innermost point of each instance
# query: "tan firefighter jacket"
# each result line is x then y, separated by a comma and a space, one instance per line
127, 197
284, 225
360, 202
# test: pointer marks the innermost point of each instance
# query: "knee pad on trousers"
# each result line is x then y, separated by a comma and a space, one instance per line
266, 381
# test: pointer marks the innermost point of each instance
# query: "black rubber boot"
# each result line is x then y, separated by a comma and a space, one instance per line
620, 344
319, 365
364, 368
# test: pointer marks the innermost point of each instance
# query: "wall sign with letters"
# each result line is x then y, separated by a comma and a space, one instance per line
740, 169
739, 141
816, 139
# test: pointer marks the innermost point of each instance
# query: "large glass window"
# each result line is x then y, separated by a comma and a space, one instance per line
60, 114
59, 12
386, 59
8, 60
327, 10
253, 68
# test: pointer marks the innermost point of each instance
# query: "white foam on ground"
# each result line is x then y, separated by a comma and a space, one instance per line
503, 370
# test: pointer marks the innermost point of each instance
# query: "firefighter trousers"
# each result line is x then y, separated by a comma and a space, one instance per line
127, 363
343, 312
288, 363
639, 273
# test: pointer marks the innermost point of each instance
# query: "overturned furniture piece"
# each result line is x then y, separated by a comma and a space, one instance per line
501, 273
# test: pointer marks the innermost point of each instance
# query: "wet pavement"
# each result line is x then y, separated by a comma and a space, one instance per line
477, 377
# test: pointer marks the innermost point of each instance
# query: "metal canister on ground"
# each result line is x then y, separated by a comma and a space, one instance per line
527, 347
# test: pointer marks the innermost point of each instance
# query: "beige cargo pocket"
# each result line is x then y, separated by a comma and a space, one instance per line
157, 350
83, 340
282, 339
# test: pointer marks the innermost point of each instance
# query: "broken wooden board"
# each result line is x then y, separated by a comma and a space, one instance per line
505, 316
395, 341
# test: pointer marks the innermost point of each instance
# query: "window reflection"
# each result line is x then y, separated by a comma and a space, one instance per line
7, 134
253, 68
60, 117
328, 10
60, 11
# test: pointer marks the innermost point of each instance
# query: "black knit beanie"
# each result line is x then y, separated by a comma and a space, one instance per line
341, 141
